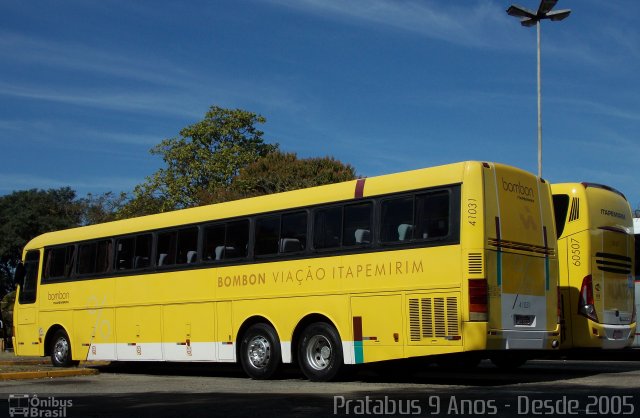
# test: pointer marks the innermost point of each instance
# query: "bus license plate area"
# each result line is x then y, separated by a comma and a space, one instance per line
524, 320
617, 334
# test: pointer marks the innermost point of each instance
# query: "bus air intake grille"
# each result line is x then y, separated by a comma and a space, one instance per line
475, 264
613, 263
574, 214
414, 319
435, 317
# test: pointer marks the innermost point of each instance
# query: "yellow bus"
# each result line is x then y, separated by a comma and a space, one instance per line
636, 234
450, 259
596, 258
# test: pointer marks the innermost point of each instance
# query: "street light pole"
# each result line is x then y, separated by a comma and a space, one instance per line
539, 103
529, 18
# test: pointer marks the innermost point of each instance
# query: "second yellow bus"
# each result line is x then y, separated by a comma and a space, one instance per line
596, 258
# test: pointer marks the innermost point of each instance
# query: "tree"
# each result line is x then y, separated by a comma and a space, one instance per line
200, 162
280, 172
28, 213
101, 208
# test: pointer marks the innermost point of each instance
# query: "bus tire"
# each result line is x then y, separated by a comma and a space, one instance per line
61, 350
260, 352
320, 352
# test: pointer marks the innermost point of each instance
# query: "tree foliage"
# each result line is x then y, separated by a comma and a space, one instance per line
280, 172
101, 207
28, 213
200, 162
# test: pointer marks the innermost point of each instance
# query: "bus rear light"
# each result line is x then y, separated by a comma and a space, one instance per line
586, 304
478, 301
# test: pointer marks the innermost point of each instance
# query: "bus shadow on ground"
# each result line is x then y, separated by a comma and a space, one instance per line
400, 371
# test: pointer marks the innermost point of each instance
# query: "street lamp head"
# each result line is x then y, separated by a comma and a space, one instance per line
558, 15
519, 11
531, 18
545, 7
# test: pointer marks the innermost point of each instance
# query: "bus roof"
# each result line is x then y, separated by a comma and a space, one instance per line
379, 185
408, 180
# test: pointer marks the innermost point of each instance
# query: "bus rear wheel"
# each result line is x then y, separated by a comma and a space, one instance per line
61, 350
260, 352
320, 352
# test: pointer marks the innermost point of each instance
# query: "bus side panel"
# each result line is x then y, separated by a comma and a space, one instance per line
380, 334
138, 333
188, 332
94, 334
27, 341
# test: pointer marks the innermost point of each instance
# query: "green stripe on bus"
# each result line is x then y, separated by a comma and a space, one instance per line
358, 350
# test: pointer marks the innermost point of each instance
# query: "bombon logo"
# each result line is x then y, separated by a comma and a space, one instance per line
523, 192
59, 297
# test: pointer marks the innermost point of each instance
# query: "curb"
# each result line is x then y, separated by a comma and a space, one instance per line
23, 362
47, 373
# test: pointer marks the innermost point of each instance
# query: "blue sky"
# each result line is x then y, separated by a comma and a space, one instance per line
88, 87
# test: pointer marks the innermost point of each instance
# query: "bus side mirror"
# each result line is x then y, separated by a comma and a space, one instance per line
18, 276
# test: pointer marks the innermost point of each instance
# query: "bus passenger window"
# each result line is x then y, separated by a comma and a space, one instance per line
227, 240
432, 215
133, 252
59, 262
142, 257
397, 219
214, 242
267, 235
357, 224
94, 257
327, 228
187, 245
237, 239
293, 234
166, 248
124, 253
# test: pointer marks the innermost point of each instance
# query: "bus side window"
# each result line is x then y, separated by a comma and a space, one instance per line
28, 286
267, 235
142, 257
94, 257
187, 245
397, 219
327, 227
124, 253
432, 215
293, 232
357, 224
59, 262
560, 209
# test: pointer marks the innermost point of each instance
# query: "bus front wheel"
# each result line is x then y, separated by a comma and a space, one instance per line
61, 350
320, 352
260, 352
